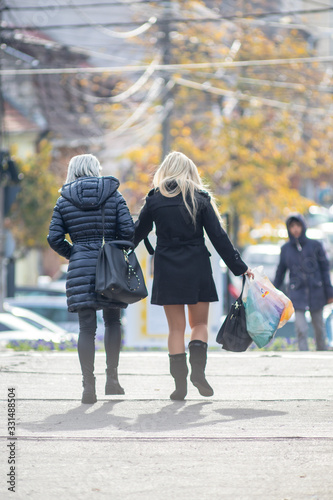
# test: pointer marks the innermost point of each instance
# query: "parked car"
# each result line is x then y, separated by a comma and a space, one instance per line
22, 291
266, 254
327, 230
317, 215
36, 320
54, 309
14, 328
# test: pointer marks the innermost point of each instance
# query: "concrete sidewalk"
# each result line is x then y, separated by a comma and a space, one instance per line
267, 433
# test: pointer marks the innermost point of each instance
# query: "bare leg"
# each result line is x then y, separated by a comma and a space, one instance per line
177, 323
178, 367
198, 319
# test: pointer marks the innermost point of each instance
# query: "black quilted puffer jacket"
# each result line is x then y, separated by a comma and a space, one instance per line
78, 213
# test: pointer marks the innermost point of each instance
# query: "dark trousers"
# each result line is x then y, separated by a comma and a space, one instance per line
86, 342
302, 329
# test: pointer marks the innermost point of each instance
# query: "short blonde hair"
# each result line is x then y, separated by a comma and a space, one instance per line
178, 174
86, 165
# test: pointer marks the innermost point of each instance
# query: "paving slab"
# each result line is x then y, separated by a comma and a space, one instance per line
267, 433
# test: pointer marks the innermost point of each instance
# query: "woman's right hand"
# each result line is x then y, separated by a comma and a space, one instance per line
249, 273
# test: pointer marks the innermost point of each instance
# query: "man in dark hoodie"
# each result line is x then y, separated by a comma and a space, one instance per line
310, 284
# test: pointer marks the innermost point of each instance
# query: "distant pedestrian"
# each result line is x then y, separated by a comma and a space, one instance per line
78, 213
182, 208
310, 284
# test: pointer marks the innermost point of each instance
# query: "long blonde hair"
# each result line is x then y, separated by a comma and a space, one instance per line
178, 174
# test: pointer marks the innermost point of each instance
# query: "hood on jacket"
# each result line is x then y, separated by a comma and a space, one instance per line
298, 217
88, 193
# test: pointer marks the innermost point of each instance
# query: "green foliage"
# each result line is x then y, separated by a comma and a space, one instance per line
31, 213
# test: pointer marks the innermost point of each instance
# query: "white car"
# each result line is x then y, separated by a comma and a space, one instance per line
14, 328
37, 321
54, 309
267, 255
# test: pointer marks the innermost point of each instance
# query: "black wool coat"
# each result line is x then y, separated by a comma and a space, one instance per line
182, 269
310, 284
78, 213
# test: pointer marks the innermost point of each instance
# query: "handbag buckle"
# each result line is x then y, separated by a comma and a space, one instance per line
126, 256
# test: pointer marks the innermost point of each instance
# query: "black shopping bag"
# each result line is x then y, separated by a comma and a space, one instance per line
233, 333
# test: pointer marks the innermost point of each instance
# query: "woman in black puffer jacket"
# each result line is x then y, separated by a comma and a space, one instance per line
78, 213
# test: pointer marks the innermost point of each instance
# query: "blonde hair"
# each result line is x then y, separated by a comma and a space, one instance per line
86, 165
178, 174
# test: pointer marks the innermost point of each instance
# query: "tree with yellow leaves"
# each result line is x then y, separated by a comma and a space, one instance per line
255, 132
30, 215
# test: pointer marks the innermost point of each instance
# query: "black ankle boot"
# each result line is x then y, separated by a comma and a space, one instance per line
112, 385
179, 371
198, 359
89, 391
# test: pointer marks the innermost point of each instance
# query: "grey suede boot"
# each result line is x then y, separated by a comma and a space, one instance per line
89, 390
198, 359
179, 371
112, 385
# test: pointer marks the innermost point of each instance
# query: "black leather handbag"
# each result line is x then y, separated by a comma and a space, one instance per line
233, 333
119, 276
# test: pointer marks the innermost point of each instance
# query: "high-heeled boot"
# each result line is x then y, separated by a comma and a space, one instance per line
112, 385
89, 390
198, 359
179, 371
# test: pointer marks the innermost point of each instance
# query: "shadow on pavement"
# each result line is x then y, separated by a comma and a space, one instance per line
177, 415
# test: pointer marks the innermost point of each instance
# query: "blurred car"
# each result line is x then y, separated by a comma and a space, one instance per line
14, 328
267, 255
37, 290
54, 309
317, 215
57, 284
36, 320
314, 233
327, 230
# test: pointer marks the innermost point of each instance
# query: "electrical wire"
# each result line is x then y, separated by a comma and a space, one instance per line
31, 40
317, 3
67, 6
276, 24
138, 135
133, 89
256, 15
250, 98
287, 85
170, 67
153, 93
300, 86
115, 34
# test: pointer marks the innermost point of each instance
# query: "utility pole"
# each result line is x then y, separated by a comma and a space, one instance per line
167, 98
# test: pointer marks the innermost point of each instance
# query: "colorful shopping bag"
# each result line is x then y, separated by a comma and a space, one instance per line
266, 308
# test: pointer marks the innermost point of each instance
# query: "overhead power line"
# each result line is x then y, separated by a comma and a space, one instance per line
68, 6
206, 87
133, 89
254, 15
168, 67
117, 34
287, 85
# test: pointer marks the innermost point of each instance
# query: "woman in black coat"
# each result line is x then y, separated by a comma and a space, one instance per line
78, 212
181, 209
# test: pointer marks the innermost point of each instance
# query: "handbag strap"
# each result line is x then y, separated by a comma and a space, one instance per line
123, 243
244, 279
103, 222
